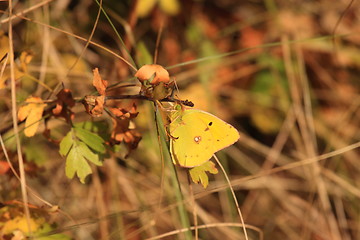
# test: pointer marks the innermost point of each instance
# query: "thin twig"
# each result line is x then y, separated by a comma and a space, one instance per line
142, 97
15, 126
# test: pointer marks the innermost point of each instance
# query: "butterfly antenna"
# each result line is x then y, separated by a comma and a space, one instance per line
234, 196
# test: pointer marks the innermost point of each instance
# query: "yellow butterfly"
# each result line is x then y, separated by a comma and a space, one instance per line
196, 135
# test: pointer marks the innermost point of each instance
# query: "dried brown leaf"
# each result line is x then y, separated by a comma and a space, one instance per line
99, 83
123, 131
99, 106
63, 103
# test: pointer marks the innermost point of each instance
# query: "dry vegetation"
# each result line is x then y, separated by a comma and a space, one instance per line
284, 73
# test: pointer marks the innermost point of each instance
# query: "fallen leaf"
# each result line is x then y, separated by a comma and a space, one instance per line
32, 111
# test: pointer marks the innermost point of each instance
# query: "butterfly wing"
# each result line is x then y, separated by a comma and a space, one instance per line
191, 144
223, 134
197, 135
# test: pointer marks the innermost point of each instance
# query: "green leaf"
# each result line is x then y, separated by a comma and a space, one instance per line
70, 168
100, 128
66, 143
88, 154
76, 163
198, 174
95, 127
91, 139
76, 147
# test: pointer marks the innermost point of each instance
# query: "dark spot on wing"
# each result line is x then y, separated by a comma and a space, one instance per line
210, 123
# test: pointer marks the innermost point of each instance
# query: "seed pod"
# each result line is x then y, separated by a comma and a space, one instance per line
153, 73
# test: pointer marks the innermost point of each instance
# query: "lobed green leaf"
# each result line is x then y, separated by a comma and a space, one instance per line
76, 163
88, 154
66, 143
91, 139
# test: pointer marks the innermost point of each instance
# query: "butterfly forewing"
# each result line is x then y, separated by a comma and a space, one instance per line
223, 134
197, 135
